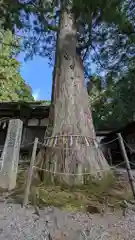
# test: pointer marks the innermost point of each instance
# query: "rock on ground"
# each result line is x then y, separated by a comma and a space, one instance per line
17, 223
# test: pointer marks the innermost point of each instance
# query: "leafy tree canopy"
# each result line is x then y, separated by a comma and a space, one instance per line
12, 85
113, 105
39, 20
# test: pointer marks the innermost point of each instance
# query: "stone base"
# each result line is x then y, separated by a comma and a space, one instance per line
7, 183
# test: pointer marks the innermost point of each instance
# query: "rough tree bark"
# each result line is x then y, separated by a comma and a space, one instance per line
71, 113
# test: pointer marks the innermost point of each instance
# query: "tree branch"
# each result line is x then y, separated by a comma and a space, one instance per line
86, 45
85, 54
45, 22
98, 59
49, 26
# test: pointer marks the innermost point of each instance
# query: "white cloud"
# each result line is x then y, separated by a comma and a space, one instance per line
36, 94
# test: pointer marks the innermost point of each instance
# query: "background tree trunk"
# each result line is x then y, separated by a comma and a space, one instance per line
73, 147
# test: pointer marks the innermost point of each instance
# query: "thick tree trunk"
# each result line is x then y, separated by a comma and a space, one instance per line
75, 152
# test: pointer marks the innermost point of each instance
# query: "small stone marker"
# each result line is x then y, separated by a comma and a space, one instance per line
10, 155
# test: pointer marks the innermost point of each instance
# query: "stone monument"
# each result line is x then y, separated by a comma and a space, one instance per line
10, 155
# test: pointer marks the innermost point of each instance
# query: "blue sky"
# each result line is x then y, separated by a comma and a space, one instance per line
38, 74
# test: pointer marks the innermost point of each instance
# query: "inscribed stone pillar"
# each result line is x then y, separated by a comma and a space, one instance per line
10, 155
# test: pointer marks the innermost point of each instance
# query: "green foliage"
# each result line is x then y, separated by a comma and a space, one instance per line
12, 86
45, 21
116, 44
44, 102
113, 103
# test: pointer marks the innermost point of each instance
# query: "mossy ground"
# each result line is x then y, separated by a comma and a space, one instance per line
104, 193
